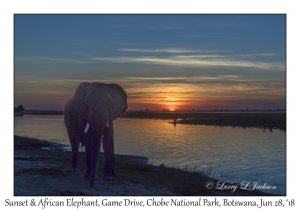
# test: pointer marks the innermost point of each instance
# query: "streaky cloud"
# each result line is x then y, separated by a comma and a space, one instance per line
69, 60
196, 61
255, 55
165, 50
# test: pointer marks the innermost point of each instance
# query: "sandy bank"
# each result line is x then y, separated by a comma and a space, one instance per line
44, 172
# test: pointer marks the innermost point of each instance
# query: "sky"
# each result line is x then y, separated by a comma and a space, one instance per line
174, 62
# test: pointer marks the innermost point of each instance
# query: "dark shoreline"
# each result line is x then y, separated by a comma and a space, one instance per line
260, 119
50, 170
265, 120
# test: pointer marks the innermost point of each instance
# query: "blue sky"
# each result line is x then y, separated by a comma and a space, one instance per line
162, 61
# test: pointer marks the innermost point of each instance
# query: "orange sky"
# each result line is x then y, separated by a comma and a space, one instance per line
163, 93
176, 62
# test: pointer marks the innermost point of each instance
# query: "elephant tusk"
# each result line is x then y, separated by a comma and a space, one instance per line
107, 125
87, 127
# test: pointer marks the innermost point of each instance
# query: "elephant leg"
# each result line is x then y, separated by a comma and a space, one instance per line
108, 147
92, 147
74, 146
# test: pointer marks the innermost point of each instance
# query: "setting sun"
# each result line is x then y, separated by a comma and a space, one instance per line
157, 75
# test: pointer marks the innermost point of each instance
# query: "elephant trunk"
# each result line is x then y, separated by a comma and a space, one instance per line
93, 134
92, 146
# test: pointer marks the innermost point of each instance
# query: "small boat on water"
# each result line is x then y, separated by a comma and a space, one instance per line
174, 121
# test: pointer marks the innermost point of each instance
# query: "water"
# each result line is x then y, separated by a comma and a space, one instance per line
233, 154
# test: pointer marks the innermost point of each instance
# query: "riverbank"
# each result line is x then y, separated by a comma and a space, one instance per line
262, 119
43, 168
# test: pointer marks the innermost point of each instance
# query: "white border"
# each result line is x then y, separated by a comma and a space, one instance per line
9, 8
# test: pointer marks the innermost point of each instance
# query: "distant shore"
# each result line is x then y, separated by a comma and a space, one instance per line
44, 112
46, 172
262, 119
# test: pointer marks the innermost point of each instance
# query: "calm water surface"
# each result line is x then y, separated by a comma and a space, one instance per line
235, 154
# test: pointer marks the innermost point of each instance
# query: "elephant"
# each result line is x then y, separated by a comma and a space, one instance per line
88, 116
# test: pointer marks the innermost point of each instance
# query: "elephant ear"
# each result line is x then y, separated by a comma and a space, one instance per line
117, 104
79, 99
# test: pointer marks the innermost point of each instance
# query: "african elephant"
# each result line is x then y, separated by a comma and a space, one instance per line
88, 115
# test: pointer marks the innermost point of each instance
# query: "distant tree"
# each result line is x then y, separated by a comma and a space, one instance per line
21, 108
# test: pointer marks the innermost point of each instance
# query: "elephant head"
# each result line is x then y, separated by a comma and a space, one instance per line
98, 103
89, 115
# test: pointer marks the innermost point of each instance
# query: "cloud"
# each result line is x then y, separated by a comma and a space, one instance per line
255, 55
199, 80
37, 58
166, 50
195, 78
196, 61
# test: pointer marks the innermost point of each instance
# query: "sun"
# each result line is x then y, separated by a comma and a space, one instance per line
171, 103
172, 108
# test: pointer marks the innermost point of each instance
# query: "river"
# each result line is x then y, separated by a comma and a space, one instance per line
227, 153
